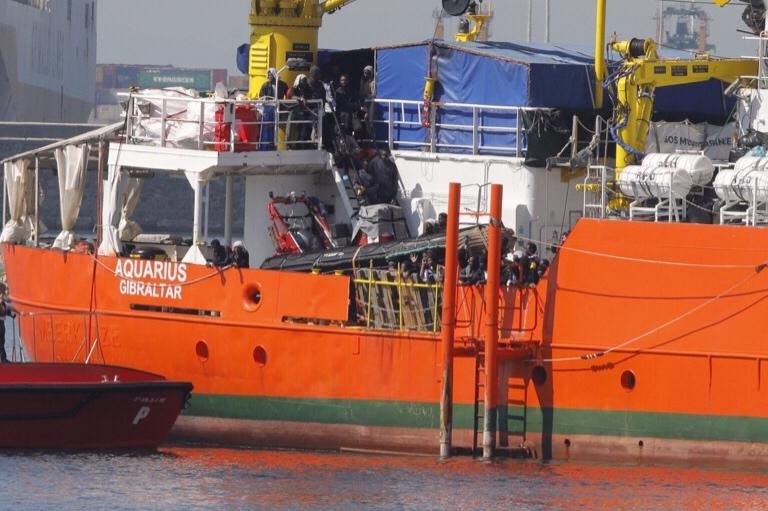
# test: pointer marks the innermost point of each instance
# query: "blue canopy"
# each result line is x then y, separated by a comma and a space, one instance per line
490, 73
508, 74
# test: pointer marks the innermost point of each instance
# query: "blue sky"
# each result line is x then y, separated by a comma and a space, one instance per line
202, 33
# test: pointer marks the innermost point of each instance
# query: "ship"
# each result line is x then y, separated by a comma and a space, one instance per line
47, 60
640, 341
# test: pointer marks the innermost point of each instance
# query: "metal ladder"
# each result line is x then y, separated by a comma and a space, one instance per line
478, 421
512, 428
594, 189
344, 179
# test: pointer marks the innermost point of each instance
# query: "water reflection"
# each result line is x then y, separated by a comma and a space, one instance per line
202, 478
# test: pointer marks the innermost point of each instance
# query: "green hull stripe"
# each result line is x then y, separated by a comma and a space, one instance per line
560, 421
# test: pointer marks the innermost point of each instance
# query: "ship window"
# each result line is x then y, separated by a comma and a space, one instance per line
201, 350
628, 380
69, 11
260, 355
175, 310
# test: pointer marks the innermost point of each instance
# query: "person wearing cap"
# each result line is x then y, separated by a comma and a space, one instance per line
240, 256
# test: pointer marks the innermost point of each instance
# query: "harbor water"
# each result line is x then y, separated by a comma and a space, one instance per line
193, 478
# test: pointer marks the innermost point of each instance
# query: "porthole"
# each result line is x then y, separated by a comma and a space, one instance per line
201, 350
539, 375
251, 297
260, 356
628, 380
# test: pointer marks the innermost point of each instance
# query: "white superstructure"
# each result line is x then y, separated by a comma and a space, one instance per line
47, 60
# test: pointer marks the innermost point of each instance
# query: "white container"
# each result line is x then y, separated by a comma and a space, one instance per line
746, 181
699, 167
643, 182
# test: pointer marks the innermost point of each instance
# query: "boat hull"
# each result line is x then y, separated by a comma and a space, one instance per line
66, 406
633, 358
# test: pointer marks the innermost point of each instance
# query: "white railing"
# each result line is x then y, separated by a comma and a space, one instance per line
224, 125
410, 115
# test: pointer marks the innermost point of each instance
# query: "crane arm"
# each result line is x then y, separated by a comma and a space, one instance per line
332, 5
641, 73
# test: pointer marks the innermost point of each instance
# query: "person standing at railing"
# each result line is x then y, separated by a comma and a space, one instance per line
367, 93
346, 105
273, 90
5, 310
320, 91
300, 127
268, 89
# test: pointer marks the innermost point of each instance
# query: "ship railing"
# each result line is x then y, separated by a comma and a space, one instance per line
762, 60
595, 188
40, 133
451, 127
224, 125
396, 302
389, 299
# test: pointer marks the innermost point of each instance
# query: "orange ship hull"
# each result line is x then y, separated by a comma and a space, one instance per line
649, 346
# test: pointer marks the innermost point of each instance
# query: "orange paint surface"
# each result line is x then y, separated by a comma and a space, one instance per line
691, 335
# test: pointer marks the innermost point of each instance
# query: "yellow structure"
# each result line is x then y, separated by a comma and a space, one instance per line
283, 29
642, 72
478, 23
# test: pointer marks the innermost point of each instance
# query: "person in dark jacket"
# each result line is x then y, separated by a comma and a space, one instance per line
473, 272
384, 172
219, 254
346, 104
300, 129
268, 88
529, 265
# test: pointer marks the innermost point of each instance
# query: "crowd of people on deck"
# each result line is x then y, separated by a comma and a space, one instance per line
522, 268
348, 129
351, 108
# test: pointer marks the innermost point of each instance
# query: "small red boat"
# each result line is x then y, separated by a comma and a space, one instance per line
86, 406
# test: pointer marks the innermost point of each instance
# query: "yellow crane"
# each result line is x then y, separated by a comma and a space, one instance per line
282, 30
635, 82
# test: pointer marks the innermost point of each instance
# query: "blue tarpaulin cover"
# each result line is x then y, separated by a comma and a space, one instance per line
525, 74
512, 75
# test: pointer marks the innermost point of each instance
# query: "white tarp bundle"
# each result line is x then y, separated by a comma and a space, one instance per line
129, 229
686, 137
182, 116
111, 211
72, 165
121, 196
18, 178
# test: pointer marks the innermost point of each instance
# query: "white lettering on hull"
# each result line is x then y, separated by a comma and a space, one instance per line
134, 274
